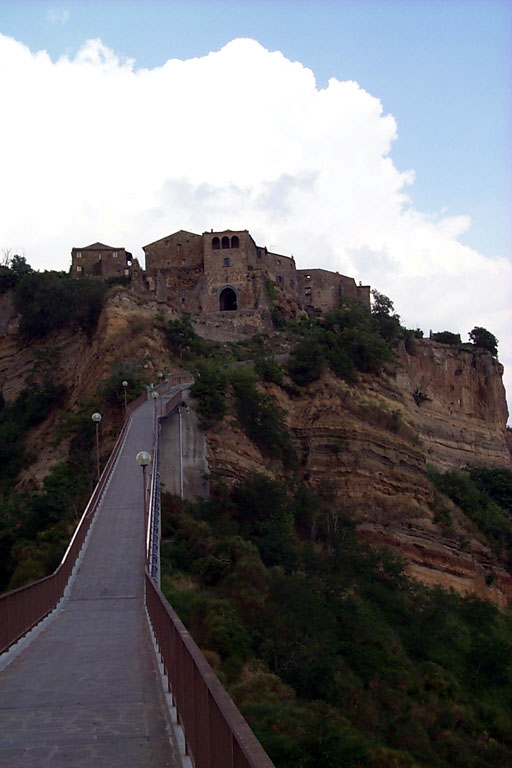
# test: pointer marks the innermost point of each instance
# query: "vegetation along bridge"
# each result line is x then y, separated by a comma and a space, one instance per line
84, 686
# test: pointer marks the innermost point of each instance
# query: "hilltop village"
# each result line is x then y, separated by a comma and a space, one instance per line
217, 274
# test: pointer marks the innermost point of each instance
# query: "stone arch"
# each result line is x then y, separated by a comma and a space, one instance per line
228, 301
225, 242
235, 242
215, 243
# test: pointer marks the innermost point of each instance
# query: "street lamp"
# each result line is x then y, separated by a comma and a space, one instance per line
124, 384
143, 458
154, 395
96, 417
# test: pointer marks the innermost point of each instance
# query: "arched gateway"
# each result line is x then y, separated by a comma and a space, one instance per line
227, 300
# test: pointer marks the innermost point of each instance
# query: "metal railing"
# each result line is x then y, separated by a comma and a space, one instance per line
216, 734
23, 608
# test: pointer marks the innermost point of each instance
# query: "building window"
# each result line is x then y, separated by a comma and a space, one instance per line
179, 247
79, 254
279, 279
215, 243
292, 284
226, 261
225, 242
114, 254
234, 241
79, 268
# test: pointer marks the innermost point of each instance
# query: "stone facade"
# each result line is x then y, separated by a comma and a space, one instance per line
99, 260
219, 274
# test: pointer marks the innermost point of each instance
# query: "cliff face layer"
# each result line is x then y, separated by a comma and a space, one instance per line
368, 446
463, 412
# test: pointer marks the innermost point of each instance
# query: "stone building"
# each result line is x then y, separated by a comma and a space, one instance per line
226, 271
99, 260
221, 274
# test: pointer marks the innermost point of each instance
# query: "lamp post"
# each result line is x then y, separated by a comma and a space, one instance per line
154, 395
96, 417
124, 384
143, 458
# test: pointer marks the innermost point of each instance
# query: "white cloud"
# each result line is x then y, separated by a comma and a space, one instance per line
94, 149
56, 16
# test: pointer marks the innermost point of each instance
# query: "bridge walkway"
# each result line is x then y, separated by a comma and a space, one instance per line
87, 692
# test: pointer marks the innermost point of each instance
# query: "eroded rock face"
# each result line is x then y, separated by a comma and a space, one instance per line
369, 446
463, 418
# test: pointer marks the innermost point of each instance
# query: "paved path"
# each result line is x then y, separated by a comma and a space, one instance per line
87, 691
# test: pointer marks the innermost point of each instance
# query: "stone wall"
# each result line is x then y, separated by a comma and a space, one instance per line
323, 289
182, 249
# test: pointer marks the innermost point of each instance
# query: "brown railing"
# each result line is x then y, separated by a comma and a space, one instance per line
23, 608
216, 734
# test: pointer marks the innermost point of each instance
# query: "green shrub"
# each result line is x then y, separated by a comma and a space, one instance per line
478, 505
484, 339
447, 337
48, 301
209, 391
261, 418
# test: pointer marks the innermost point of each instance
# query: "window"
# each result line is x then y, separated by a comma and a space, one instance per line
226, 261
225, 242
179, 247
292, 284
114, 254
79, 254
215, 243
234, 241
279, 279
79, 268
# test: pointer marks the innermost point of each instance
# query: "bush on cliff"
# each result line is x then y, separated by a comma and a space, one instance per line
48, 301
261, 418
347, 339
484, 495
209, 391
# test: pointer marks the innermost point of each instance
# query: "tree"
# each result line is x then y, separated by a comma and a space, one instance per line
484, 339
388, 322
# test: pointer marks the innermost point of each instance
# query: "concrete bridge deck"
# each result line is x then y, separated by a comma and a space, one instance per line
87, 692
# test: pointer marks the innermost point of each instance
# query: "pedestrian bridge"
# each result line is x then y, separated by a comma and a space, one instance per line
96, 669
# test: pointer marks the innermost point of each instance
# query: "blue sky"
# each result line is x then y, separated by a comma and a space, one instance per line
369, 137
443, 68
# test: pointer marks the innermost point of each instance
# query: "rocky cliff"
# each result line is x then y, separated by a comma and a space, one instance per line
368, 445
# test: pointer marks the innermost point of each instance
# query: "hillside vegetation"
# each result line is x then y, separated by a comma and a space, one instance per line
332, 653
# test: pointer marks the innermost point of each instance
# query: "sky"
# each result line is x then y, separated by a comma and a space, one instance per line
371, 137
